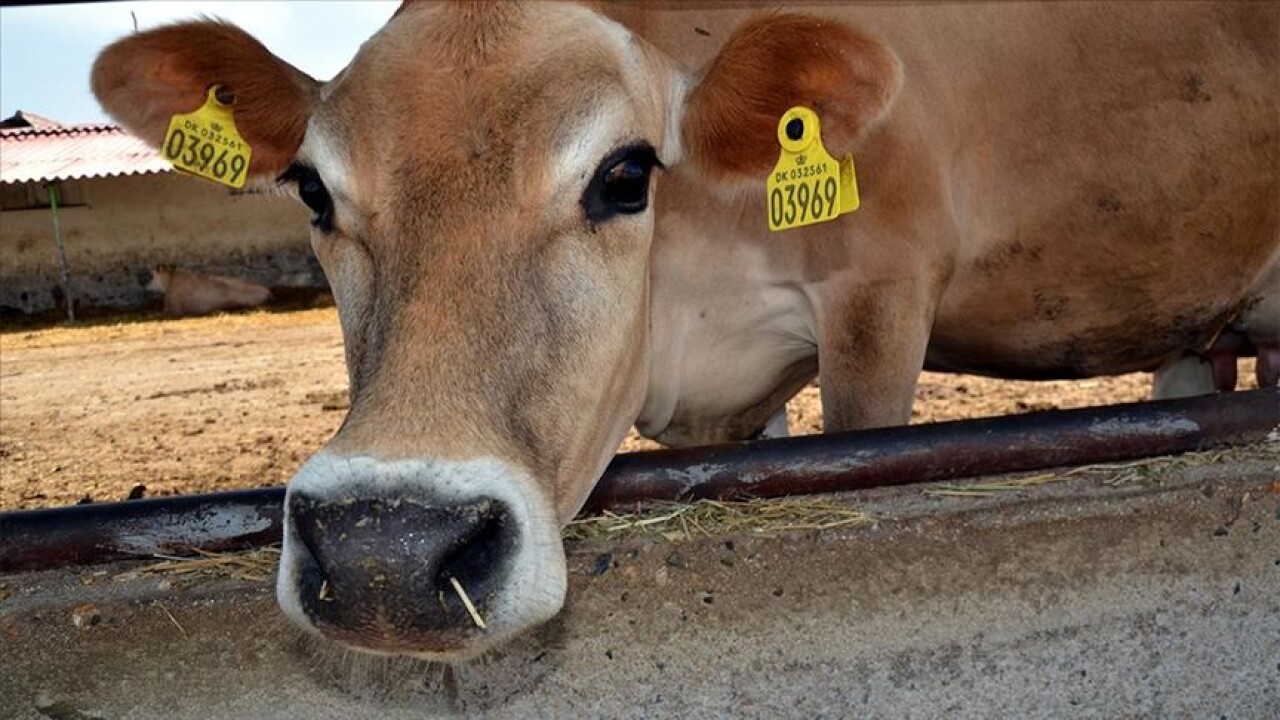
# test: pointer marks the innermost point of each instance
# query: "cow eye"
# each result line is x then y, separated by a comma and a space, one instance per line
621, 183
312, 192
626, 183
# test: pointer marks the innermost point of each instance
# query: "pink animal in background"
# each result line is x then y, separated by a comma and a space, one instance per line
188, 293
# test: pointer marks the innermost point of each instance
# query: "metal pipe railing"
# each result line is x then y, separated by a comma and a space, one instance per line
84, 534
939, 451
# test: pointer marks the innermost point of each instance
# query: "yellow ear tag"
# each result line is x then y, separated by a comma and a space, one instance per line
206, 143
808, 186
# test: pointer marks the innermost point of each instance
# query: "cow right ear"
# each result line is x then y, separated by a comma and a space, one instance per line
776, 62
145, 79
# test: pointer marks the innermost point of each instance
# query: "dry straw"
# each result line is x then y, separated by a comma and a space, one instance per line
257, 565
678, 522
1113, 475
466, 601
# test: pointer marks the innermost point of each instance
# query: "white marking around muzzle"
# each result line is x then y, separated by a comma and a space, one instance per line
534, 590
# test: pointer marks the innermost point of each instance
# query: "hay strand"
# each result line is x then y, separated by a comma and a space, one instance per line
677, 522
172, 619
257, 565
466, 601
1110, 474
991, 488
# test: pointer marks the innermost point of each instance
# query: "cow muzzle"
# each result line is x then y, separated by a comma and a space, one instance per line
428, 558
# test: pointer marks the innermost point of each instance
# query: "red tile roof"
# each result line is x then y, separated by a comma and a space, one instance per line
47, 151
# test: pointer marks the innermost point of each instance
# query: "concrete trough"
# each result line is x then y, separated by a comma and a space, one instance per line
1148, 590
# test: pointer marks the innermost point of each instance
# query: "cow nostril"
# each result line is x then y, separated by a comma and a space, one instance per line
477, 561
399, 560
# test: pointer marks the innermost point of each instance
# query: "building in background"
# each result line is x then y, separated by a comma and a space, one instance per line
122, 209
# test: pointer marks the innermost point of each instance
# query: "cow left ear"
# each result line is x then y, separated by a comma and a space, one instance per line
776, 62
144, 79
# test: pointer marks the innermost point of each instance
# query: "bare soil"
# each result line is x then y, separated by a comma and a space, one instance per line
89, 413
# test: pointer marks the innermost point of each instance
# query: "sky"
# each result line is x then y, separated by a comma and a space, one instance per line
46, 51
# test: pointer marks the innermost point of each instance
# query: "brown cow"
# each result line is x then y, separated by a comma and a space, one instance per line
1049, 190
189, 293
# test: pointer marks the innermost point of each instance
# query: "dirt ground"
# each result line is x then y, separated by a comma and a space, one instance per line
91, 413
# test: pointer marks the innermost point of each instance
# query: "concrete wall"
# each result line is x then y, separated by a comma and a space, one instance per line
130, 223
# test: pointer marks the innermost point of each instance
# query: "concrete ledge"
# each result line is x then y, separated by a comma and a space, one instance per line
1159, 597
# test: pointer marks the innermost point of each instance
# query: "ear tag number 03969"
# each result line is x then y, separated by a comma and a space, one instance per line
808, 186
206, 143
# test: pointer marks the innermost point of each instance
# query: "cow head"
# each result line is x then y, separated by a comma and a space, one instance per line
156, 279
482, 180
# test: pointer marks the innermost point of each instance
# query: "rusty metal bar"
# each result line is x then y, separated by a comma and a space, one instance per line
100, 532
940, 451
84, 534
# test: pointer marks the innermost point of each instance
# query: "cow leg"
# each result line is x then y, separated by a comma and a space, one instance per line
777, 426
1187, 376
870, 355
1268, 370
1261, 324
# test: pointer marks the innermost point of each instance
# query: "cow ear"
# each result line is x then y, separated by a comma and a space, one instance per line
145, 79
776, 62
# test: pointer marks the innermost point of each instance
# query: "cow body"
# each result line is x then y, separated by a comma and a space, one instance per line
1048, 190
189, 293
1058, 192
